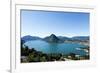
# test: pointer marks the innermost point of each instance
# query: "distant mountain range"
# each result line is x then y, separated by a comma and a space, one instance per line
80, 38
55, 39
29, 38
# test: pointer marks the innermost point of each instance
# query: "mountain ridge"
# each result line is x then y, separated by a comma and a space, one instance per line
52, 39
55, 39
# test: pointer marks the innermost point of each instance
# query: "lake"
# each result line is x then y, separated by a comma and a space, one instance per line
63, 48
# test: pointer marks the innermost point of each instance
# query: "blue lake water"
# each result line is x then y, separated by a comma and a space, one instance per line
63, 48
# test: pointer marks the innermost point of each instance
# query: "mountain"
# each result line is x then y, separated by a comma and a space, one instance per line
29, 38
63, 38
80, 38
55, 39
52, 39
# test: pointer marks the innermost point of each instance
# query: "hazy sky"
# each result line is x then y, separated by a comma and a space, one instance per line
45, 23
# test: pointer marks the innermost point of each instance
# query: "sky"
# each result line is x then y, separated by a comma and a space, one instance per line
45, 23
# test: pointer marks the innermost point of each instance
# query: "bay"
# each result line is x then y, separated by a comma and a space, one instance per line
62, 48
